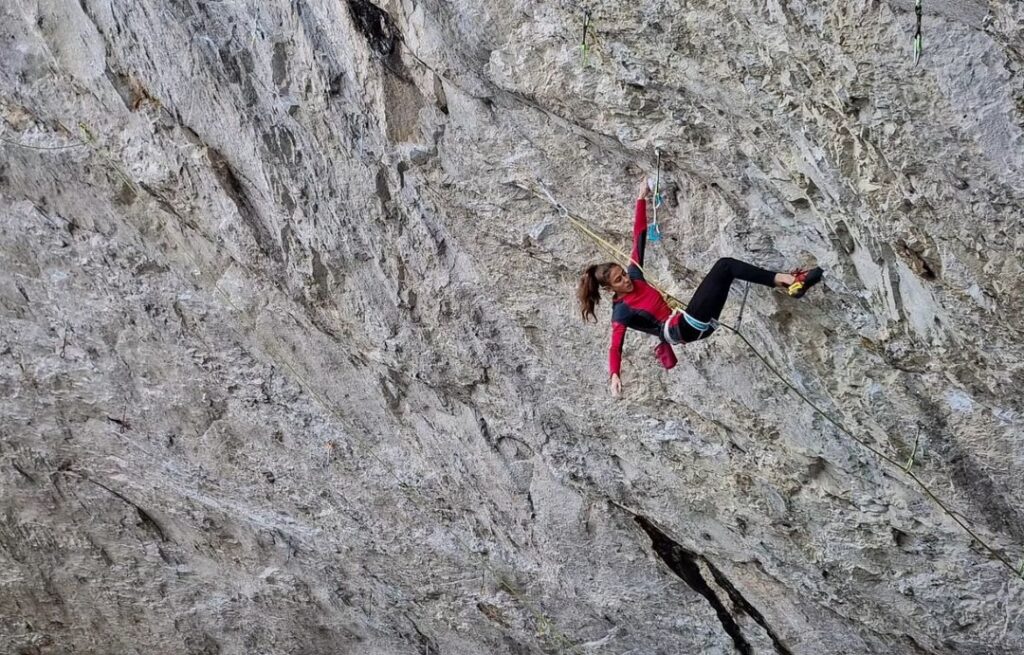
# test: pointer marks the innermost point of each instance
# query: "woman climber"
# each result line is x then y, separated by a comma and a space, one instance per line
638, 305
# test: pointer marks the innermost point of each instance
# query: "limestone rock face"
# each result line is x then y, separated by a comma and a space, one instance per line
290, 360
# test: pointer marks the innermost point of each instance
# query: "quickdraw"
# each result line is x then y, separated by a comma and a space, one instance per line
918, 40
653, 231
583, 43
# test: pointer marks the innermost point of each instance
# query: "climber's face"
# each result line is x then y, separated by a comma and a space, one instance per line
619, 282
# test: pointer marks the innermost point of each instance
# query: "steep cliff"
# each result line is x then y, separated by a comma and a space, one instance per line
290, 361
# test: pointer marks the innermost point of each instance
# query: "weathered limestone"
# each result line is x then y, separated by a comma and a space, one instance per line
290, 362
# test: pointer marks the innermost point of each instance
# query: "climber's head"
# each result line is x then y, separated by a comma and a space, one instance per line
609, 276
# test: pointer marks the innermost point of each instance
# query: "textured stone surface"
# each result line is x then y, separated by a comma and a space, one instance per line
289, 358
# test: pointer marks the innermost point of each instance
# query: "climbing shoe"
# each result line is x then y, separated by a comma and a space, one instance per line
804, 281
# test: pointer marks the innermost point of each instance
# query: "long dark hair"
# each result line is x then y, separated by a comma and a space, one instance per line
588, 293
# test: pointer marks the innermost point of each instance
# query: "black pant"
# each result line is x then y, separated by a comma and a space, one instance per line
709, 298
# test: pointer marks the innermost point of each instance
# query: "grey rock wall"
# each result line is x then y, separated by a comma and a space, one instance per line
290, 361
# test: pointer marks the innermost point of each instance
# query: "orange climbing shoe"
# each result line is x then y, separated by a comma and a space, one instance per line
804, 281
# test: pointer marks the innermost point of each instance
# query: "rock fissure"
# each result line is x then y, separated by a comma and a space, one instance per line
686, 565
741, 602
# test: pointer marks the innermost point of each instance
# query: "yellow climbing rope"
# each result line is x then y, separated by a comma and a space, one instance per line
610, 248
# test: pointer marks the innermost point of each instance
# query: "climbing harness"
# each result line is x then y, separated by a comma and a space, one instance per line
653, 231
918, 41
586, 26
696, 324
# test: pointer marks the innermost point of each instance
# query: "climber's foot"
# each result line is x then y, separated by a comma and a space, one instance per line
804, 280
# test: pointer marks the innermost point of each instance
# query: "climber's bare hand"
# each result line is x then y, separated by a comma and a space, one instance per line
615, 386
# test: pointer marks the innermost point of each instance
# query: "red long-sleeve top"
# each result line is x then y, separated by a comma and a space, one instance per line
643, 308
